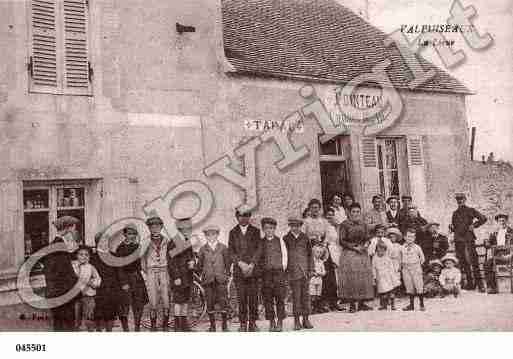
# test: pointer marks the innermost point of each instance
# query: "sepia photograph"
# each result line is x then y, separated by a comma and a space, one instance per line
255, 166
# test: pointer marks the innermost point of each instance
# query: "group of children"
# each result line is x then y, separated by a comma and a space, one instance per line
398, 266
293, 260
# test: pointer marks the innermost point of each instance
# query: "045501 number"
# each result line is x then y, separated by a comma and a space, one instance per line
30, 347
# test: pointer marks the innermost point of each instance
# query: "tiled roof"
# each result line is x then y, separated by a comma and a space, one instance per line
313, 39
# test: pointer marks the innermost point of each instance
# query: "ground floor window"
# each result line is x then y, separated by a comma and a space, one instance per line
335, 156
43, 204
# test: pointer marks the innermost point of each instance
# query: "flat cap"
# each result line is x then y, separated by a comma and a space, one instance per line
268, 220
131, 226
406, 197
460, 195
435, 261
211, 228
431, 224
295, 221
450, 257
391, 198
154, 220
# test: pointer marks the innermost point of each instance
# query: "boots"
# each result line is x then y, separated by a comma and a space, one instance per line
279, 325
212, 318
185, 325
165, 320
392, 303
382, 303
137, 320
178, 324
224, 326
297, 323
124, 324
243, 327
252, 326
272, 325
153, 320
412, 305
306, 323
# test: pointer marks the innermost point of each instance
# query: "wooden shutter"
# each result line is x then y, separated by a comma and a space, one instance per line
43, 65
369, 170
11, 235
76, 58
416, 170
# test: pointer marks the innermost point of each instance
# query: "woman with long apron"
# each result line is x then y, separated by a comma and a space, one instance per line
355, 270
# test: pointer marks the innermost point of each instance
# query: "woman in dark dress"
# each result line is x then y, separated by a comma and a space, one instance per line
355, 271
133, 288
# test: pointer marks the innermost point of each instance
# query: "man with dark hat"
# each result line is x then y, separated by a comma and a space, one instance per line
273, 264
154, 264
181, 267
299, 270
59, 274
245, 248
501, 242
464, 221
433, 244
406, 200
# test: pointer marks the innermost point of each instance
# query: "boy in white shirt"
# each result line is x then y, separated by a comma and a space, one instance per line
89, 280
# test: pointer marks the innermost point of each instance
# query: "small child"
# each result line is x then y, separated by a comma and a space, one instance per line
214, 268
450, 278
379, 235
412, 259
394, 251
319, 271
384, 276
432, 287
89, 280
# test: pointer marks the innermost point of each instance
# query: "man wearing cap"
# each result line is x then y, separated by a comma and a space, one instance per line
273, 264
377, 215
299, 270
433, 244
413, 220
154, 264
500, 242
133, 288
403, 210
214, 268
59, 274
181, 274
464, 221
245, 248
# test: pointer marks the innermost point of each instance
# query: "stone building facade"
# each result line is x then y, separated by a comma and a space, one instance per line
101, 130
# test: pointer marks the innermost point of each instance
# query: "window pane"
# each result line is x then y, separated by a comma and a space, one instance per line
382, 183
380, 156
394, 183
390, 154
70, 197
36, 234
35, 199
329, 148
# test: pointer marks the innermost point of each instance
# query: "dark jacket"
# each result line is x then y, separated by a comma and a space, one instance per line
434, 247
178, 267
246, 248
413, 222
110, 285
130, 275
214, 265
394, 219
300, 259
462, 218
59, 274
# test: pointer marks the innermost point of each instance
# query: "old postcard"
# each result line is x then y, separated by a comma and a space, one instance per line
255, 166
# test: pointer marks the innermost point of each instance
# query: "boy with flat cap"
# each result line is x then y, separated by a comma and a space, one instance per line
501, 242
464, 220
214, 268
59, 274
273, 264
245, 248
299, 270
154, 263
181, 268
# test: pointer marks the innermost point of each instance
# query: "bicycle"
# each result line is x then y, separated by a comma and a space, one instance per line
197, 307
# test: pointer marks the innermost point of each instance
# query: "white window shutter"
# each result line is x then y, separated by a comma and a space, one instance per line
416, 171
44, 64
77, 71
369, 170
415, 151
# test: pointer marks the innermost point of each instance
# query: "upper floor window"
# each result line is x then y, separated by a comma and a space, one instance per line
59, 60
